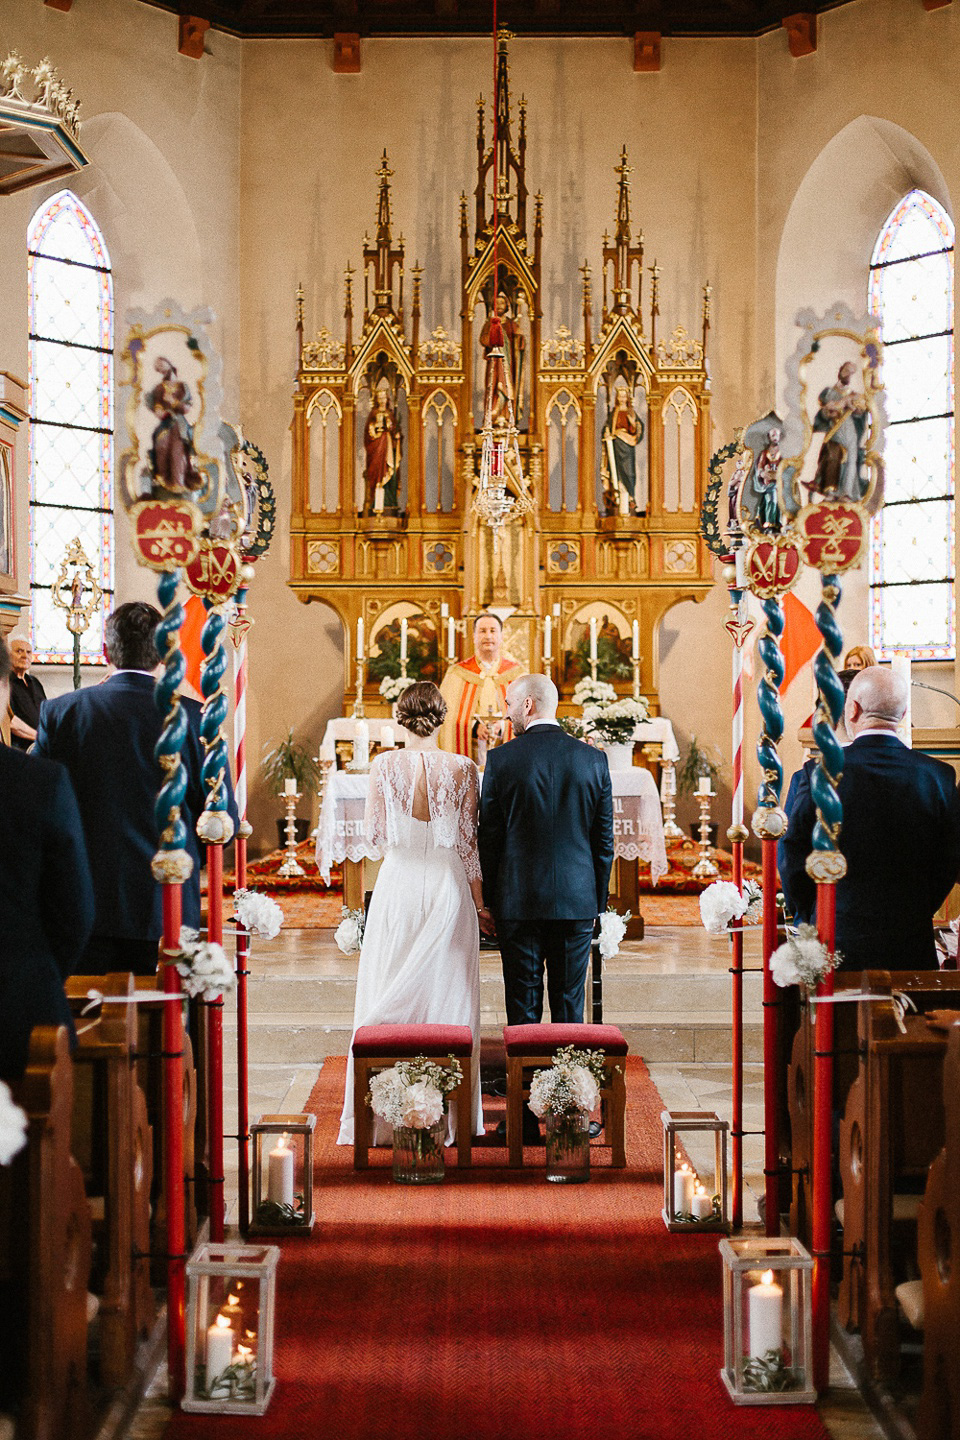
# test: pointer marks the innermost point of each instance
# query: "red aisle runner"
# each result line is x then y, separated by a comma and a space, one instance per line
498, 1307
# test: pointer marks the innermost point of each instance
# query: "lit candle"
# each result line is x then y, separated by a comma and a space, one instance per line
683, 1190
593, 637
280, 1174
451, 638
328, 750
361, 743
403, 638
386, 737
703, 785
765, 1308
220, 1338
444, 610
360, 637
548, 637
289, 787
701, 1206
636, 640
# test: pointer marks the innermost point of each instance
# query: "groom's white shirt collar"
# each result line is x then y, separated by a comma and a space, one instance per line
539, 721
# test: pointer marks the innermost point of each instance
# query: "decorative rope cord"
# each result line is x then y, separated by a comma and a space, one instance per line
172, 862
768, 699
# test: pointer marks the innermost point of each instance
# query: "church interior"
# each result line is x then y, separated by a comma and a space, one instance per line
506, 329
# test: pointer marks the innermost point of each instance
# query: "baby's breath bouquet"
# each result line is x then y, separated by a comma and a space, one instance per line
393, 686
803, 959
412, 1097
204, 967
565, 1096
593, 692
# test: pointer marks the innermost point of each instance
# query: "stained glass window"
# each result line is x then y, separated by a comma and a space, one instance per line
71, 415
912, 605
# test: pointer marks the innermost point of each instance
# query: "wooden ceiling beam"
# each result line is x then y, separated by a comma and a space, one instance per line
191, 36
801, 32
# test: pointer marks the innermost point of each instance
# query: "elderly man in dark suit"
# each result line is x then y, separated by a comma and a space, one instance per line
900, 836
46, 898
546, 848
105, 735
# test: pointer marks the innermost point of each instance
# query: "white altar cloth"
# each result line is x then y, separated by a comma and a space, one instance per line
344, 727
637, 821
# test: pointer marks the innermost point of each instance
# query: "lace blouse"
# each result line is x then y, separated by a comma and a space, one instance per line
453, 793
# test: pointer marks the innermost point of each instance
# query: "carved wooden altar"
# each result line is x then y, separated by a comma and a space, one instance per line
397, 403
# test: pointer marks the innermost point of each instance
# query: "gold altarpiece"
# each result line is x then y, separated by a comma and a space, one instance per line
581, 544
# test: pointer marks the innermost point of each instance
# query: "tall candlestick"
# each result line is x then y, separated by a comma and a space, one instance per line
451, 639
548, 637
635, 653
403, 638
593, 639
765, 1308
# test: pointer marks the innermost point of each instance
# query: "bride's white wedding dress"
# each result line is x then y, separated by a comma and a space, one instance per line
420, 958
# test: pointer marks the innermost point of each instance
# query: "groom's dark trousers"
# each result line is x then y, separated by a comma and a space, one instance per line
546, 848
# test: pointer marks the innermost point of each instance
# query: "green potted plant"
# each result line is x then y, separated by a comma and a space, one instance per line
699, 761
290, 759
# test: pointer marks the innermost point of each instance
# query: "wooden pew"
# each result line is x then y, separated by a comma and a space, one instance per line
891, 1130
45, 1249
938, 1248
929, 988
113, 1143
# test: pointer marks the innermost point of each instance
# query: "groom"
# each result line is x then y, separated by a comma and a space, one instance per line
546, 847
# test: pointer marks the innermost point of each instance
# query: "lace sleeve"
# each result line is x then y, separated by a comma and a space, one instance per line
375, 815
467, 823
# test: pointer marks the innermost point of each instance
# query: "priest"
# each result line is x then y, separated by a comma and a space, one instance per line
475, 691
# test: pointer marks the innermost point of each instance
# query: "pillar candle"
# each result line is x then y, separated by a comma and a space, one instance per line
328, 750
451, 638
548, 637
682, 1190
556, 611
289, 787
636, 640
701, 1206
220, 1338
703, 785
386, 737
444, 610
593, 637
765, 1309
280, 1174
403, 638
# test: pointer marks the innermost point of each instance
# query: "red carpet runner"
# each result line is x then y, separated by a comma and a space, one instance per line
498, 1307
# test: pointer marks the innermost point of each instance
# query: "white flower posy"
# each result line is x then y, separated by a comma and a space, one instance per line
13, 1126
596, 692
205, 969
393, 686
349, 933
722, 903
614, 722
803, 959
412, 1095
613, 927
258, 913
571, 1084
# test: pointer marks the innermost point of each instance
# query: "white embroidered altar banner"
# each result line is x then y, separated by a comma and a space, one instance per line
637, 821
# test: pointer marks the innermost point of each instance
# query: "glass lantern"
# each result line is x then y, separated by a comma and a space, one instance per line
282, 1175
230, 1308
692, 1201
767, 1324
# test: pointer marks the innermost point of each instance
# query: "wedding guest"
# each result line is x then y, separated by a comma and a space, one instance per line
859, 657
26, 693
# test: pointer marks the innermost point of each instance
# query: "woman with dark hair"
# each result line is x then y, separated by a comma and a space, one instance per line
420, 958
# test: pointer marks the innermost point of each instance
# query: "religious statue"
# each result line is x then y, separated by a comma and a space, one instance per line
475, 691
622, 433
844, 420
759, 505
382, 443
508, 373
171, 446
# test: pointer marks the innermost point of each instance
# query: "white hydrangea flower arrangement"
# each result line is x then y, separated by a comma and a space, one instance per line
722, 904
614, 723
258, 913
13, 1126
393, 686
593, 692
204, 967
571, 1086
412, 1095
803, 959
349, 933
613, 927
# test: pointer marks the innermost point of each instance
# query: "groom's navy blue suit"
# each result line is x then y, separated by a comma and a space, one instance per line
901, 840
546, 847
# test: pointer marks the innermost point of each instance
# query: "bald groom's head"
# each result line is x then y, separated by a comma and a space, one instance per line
531, 697
876, 700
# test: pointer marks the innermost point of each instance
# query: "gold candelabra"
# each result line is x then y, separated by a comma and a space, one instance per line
704, 869
671, 830
291, 867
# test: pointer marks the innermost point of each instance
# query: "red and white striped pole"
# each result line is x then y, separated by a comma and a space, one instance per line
238, 630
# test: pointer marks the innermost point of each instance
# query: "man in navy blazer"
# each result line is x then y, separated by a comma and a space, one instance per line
546, 848
46, 898
900, 836
105, 735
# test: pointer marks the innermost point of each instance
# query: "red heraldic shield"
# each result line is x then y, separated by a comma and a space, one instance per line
214, 573
773, 565
832, 536
166, 533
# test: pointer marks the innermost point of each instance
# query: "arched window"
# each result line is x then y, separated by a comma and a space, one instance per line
912, 607
71, 415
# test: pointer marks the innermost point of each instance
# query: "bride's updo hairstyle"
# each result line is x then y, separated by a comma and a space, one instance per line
421, 709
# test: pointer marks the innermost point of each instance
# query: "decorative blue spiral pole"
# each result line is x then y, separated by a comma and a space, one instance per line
172, 863
826, 776
768, 699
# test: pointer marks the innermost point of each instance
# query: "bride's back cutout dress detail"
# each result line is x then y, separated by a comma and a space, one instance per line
419, 964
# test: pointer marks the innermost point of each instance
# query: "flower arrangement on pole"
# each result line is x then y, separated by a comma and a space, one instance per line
412, 1096
722, 904
203, 966
257, 913
803, 959
349, 933
613, 927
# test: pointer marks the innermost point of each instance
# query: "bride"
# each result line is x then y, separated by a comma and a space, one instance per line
419, 963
